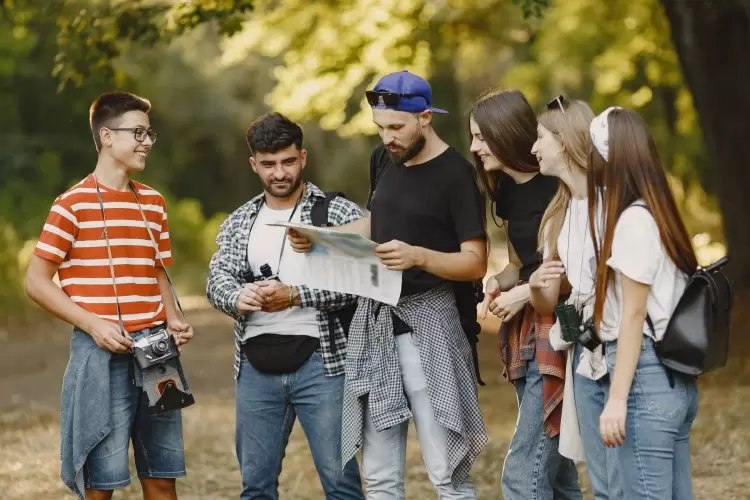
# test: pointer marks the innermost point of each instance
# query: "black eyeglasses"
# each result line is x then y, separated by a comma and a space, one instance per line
557, 103
389, 99
139, 133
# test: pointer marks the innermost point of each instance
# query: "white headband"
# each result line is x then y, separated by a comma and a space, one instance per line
599, 130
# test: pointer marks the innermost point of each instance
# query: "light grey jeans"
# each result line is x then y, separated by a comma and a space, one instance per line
384, 453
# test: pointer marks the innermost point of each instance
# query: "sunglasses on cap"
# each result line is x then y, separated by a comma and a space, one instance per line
557, 103
389, 99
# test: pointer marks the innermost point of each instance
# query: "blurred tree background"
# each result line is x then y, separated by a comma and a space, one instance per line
211, 66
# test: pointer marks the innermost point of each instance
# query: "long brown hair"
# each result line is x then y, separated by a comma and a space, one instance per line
572, 129
633, 171
508, 125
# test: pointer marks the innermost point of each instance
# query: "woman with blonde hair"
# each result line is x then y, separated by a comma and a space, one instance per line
503, 129
562, 148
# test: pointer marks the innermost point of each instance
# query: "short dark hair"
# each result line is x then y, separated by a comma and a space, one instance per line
273, 132
110, 106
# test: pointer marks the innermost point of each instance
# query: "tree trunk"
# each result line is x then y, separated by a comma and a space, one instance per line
712, 39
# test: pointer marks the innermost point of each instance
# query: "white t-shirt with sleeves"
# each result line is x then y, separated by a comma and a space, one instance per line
576, 248
638, 253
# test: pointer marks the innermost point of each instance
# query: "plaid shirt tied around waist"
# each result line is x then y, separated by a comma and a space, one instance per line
373, 371
521, 339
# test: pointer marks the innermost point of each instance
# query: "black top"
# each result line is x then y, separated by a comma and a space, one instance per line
522, 206
434, 205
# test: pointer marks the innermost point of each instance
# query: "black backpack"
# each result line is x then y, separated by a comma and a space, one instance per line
697, 337
319, 215
468, 293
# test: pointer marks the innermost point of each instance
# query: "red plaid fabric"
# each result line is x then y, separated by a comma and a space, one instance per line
519, 339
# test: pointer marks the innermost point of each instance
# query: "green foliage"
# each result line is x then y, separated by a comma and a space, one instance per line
11, 293
211, 66
93, 34
193, 242
532, 8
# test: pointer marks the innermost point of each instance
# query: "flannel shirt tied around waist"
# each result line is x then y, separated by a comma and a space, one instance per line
373, 372
521, 339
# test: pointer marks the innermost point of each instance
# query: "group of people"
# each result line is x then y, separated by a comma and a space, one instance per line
598, 256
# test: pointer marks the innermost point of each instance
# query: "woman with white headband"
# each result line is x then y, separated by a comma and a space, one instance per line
562, 149
644, 257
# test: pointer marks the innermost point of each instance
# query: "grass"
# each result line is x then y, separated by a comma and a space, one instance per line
29, 437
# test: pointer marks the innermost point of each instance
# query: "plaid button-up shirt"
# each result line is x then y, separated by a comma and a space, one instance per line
230, 262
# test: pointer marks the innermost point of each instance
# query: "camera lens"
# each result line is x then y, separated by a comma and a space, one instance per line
160, 346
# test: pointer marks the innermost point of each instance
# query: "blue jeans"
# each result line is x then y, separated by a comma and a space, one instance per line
533, 468
267, 406
157, 439
655, 458
601, 462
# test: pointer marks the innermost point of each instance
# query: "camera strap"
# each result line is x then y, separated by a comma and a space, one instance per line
583, 245
156, 249
283, 238
105, 233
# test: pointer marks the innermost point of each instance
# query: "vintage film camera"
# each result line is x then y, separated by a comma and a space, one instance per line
573, 330
157, 347
163, 382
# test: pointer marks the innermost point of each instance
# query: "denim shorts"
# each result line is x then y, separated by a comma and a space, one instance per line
157, 439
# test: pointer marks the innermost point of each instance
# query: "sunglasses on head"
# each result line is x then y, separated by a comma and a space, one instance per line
389, 99
557, 103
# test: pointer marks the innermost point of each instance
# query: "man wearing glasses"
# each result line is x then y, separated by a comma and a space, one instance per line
414, 360
107, 239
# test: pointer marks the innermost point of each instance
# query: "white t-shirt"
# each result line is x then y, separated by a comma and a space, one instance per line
638, 253
264, 247
576, 249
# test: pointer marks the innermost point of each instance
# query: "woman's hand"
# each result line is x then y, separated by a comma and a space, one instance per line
490, 294
545, 273
612, 422
509, 303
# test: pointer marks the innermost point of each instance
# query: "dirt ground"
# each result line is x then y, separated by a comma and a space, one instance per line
32, 363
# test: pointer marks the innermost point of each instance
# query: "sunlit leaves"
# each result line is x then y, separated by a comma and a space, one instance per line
330, 52
93, 33
533, 8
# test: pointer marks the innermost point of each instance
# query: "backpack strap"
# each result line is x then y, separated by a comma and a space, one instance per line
379, 162
319, 211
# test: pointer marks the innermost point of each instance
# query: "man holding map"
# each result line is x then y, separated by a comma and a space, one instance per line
290, 346
414, 359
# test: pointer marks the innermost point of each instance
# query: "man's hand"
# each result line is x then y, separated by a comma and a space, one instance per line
108, 336
276, 295
183, 333
490, 294
299, 243
507, 304
397, 255
545, 273
251, 299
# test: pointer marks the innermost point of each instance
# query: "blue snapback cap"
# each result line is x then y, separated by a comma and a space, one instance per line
416, 94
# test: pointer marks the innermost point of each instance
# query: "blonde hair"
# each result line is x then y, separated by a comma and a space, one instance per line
572, 129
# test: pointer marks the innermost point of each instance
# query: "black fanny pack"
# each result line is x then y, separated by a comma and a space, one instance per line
279, 354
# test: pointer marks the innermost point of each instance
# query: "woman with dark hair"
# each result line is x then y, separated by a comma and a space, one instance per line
644, 258
503, 131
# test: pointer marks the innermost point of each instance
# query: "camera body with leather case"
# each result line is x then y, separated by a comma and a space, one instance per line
574, 329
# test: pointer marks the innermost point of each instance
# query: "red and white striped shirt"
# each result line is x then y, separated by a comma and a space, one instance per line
73, 237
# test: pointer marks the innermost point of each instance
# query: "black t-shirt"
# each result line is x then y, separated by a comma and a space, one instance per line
522, 206
434, 205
